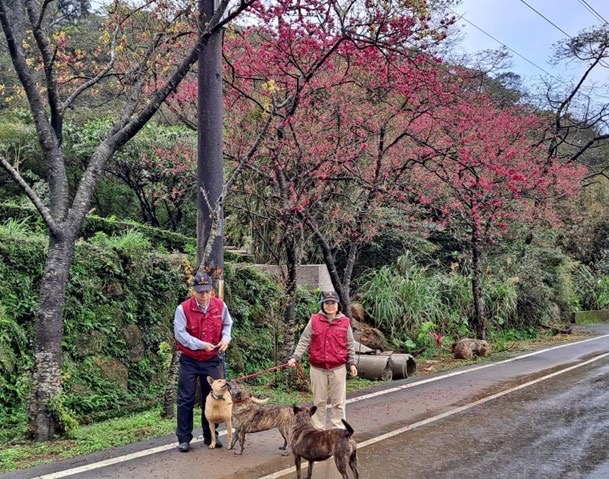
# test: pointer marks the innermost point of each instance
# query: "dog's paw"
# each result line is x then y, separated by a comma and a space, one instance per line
285, 453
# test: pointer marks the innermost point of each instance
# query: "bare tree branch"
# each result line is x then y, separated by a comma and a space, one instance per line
31, 194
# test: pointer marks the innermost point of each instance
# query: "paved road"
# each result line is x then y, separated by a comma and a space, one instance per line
538, 415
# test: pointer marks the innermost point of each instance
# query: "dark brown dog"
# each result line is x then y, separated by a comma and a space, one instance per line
316, 445
250, 415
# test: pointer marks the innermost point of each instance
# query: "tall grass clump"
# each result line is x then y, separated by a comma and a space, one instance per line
602, 292
410, 303
400, 298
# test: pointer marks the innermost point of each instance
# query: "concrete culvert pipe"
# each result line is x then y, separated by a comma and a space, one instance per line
374, 367
402, 365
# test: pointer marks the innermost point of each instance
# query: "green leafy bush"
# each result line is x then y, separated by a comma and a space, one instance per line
545, 288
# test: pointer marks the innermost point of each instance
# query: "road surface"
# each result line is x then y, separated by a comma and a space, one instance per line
543, 414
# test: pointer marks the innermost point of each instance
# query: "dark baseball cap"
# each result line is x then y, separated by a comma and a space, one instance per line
202, 282
330, 296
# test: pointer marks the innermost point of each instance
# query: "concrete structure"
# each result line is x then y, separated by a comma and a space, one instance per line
311, 276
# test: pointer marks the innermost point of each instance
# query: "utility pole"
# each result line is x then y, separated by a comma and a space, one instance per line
210, 172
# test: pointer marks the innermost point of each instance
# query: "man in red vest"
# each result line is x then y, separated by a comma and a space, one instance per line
328, 338
202, 327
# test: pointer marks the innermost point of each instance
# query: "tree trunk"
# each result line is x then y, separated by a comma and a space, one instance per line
479, 309
169, 396
341, 286
46, 383
293, 262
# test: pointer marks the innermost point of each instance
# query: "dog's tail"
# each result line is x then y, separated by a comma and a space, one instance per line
349, 429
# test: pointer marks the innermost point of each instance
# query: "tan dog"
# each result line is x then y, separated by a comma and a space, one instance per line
250, 415
316, 445
467, 348
219, 408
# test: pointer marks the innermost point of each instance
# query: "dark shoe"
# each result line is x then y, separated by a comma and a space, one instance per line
184, 447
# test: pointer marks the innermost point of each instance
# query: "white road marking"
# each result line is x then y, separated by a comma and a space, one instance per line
457, 410
155, 450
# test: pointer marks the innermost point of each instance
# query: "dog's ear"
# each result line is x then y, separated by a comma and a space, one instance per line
295, 408
210, 380
312, 410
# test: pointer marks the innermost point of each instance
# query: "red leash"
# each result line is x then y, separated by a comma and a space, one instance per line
281, 366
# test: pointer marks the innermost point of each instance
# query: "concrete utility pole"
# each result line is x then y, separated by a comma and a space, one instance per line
210, 173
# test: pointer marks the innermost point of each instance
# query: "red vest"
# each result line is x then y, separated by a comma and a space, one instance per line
328, 348
204, 326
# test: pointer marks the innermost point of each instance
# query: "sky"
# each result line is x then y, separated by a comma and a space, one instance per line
515, 24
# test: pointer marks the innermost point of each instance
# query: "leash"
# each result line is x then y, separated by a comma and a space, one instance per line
281, 366
223, 361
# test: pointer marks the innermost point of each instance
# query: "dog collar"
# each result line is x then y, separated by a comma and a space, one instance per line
217, 398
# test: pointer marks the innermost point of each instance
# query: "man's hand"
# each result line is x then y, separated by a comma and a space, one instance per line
291, 362
353, 370
208, 347
222, 346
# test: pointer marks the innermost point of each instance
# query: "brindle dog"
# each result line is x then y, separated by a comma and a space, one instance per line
316, 445
219, 408
250, 415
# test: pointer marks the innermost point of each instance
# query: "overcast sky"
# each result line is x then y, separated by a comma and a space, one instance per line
519, 27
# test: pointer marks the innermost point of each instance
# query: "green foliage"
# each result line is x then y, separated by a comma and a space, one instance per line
502, 340
118, 323
86, 439
545, 286
16, 227
21, 219
62, 413
593, 292
253, 300
425, 339
18, 140
602, 292
130, 240
399, 298
119, 309
13, 342
155, 172
25, 217
501, 301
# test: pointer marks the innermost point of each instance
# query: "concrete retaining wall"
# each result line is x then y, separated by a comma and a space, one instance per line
312, 276
591, 316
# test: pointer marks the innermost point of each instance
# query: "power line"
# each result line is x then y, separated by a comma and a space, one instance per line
501, 43
592, 11
546, 19
556, 26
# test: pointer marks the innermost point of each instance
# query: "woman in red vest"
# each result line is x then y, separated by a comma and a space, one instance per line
202, 327
328, 337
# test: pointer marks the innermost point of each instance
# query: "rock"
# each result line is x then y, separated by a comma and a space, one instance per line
467, 348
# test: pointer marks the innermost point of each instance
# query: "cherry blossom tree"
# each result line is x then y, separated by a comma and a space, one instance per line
316, 80
144, 50
489, 170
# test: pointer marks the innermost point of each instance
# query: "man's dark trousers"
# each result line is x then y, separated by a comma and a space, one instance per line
190, 370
